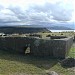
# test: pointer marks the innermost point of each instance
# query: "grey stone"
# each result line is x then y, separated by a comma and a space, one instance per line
68, 62
57, 48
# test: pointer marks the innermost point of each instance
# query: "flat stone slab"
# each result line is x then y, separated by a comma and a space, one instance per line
68, 62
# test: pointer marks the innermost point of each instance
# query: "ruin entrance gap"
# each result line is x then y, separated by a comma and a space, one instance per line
27, 49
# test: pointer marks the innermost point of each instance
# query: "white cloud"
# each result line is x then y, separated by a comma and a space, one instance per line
37, 11
7, 15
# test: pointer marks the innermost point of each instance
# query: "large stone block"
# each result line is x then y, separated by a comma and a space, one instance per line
57, 48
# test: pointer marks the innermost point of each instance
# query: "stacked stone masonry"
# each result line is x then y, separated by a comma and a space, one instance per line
57, 48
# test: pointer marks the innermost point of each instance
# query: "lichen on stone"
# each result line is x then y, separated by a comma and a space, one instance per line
36, 43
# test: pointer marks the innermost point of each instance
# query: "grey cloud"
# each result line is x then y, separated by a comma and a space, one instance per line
61, 14
58, 12
38, 14
1, 7
51, 12
7, 15
18, 12
34, 13
62, 17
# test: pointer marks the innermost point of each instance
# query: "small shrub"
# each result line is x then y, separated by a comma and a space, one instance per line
61, 33
48, 35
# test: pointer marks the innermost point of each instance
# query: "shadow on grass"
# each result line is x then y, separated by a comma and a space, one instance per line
41, 62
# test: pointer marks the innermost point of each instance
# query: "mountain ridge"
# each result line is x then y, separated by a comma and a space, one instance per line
42, 26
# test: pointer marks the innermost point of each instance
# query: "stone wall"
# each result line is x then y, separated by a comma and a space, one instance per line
14, 44
69, 42
57, 37
57, 48
74, 38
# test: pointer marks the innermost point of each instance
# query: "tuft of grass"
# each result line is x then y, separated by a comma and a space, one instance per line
16, 63
72, 52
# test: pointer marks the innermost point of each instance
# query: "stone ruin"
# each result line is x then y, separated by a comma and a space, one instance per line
57, 48
74, 38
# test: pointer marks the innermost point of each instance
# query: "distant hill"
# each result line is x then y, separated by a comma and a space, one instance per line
21, 29
59, 28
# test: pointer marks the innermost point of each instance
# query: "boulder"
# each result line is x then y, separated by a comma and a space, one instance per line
68, 62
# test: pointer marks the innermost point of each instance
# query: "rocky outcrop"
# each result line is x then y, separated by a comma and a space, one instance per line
68, 62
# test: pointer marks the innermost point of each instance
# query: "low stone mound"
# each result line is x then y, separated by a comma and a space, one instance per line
68, 62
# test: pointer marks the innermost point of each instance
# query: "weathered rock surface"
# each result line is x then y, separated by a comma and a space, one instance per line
55, 48
68, 62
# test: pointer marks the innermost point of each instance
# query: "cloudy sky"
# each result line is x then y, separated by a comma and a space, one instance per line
37, 12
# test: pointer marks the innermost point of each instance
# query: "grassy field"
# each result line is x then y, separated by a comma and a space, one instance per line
15, 64
44, 34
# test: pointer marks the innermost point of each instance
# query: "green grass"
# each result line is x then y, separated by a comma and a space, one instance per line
57, 34
72, 52
15, 64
